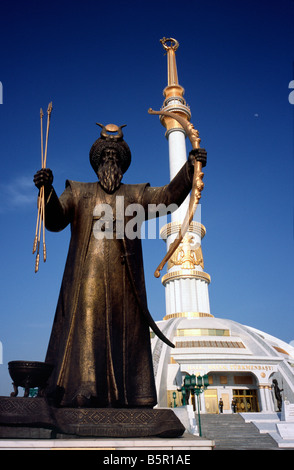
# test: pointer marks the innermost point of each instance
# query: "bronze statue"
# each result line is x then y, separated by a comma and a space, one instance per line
100, 339
278, 395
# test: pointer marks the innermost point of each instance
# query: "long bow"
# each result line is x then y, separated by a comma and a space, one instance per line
197, 186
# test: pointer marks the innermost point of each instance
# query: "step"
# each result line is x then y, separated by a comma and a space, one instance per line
230, 431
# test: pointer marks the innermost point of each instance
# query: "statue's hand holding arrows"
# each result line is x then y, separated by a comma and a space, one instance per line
42, 179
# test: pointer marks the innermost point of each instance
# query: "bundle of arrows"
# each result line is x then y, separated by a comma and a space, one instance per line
40, 225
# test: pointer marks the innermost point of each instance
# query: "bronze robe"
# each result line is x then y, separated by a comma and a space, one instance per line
100, 339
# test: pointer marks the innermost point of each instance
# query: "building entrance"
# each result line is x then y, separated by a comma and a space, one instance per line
246, 400
211, 401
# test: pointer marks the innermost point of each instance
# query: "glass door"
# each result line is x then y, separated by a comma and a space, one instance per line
211, 403
246, 401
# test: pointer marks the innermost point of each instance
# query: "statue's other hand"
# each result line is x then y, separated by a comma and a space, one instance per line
198, 154
43, 177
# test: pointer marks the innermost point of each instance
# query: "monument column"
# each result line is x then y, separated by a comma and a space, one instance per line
266, 398
186, 283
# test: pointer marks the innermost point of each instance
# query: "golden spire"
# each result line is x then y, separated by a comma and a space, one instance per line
173, 88
172, 73
174, 92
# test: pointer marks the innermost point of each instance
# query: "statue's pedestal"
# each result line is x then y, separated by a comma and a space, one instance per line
34, 418
152, 445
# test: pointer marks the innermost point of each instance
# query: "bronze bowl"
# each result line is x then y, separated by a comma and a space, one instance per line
29, 374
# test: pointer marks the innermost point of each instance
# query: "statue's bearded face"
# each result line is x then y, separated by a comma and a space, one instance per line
109, 171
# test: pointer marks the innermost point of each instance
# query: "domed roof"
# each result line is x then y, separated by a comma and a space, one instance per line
216, 336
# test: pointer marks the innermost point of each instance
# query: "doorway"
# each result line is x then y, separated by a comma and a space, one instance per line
246, 400
211, 401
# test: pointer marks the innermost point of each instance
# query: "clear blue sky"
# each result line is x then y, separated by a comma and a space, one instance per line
102, 61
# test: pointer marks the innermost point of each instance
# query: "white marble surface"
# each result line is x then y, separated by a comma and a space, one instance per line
287, 413
186, 442
286, 430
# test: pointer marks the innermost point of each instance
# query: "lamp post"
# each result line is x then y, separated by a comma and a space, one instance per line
174, 397
202, 384
192, 389
184, 394
195, 385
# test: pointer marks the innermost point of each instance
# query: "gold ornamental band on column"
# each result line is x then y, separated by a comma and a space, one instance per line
187, 315
186, 274
174, 227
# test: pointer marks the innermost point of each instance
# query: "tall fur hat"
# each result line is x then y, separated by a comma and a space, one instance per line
111, 137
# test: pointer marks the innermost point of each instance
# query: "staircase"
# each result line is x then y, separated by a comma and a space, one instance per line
231, 432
